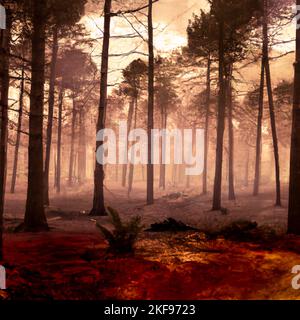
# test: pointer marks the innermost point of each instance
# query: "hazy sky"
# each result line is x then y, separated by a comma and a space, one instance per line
170, 21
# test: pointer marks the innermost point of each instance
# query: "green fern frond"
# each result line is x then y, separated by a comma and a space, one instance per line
106, 233
115, 217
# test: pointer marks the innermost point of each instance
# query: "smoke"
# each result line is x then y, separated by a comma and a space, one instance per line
176, 13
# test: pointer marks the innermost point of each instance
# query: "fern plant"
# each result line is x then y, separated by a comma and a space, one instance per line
124, 236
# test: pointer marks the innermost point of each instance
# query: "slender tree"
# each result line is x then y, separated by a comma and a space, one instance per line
202, 43
150, 126
271, 105
19, 128
259, 128
50, 113
221, 117
165, 100
231, 192
133, 75
233, 35
35, 218
294, 199
98, 201
59, 138
72, 142
4, 82
60, 23
82, 146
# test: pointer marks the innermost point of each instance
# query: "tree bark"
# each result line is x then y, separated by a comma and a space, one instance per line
294, 199
98, 201
206, 133
150, 167
59, 131
82, 148
50, 115
129, 124
231, 192
259, 127
220, 124
35, 218
271, 107
4, 69
131, 165
19, 128
72, 145
162, 171
246, 182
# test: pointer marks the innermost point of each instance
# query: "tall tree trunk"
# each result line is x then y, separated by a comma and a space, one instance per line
259, 126
35, 219
59, 131
131, 165
72, 145
246, 182
50, 114
220, 124
82, 148
231, 192
206, 133
271, 107
294, 199
162, 171
129, 124
98, 202
4, 81
19, 128
150, 167
55, 169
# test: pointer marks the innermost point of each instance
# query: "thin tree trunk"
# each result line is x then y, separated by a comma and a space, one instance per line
131, 165
129, 124
98, 201
259, 128
50, 115
82, 148
162, 171
231, 192
72, 144
35, 218
59, 131
246, 182
206, 134
4, 68
19, 128
294, 199
150, 167
274, 136
271, 108
55, 168
220, 124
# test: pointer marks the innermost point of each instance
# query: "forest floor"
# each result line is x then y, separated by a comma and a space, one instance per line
71, 261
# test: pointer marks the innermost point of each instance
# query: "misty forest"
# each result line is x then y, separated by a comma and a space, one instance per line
73, 227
